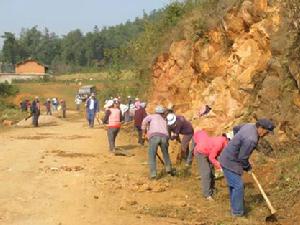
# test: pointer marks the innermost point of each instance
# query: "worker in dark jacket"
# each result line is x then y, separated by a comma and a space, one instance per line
139, 115
35, 111
63, 107
235, 159
48, 106
179, 125
23, 106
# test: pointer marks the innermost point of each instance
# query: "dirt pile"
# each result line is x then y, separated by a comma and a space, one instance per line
235, 69
43, 121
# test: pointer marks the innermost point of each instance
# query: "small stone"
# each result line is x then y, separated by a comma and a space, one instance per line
132, 202
159, 189
183, 204
96, 197
145, 187
118, 187
140, 182
135, 188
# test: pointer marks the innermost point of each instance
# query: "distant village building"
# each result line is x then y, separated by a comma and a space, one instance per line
26, 70
31, 66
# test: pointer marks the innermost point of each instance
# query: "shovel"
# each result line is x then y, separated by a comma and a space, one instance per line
272, 217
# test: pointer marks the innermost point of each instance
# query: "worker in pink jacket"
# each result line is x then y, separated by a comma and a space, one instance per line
206, 151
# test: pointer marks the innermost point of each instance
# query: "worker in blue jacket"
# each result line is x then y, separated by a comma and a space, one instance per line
235, 159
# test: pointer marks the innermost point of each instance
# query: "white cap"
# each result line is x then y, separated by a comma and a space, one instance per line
143, 104
109, 103
159, 109
171, 118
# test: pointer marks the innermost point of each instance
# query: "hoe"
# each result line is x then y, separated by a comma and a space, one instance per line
272, 217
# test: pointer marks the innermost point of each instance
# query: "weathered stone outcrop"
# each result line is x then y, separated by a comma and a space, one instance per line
234, 70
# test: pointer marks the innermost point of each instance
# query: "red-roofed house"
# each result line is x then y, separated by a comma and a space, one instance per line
30, 67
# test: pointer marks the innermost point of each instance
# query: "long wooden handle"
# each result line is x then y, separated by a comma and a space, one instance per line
273, 211
160, 159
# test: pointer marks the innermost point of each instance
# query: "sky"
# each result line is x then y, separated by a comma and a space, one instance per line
62, 16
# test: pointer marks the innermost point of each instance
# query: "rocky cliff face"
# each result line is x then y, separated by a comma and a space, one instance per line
237, 68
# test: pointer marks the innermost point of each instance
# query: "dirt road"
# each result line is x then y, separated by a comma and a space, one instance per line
64, 175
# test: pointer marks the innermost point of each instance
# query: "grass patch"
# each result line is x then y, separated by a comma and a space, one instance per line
12, 114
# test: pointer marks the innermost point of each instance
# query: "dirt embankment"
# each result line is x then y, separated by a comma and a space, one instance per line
239, 68
242, 69
233, 69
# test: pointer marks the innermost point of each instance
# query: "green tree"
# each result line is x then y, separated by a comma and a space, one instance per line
31, 42
50, 47
94, 47
10, 48
73, 51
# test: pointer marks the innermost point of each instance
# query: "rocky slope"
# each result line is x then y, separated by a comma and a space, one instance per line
238, 68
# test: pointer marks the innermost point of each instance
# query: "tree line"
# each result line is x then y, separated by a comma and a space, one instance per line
129, 45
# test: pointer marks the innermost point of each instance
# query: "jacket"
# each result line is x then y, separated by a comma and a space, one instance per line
235, 156
139, 115
156, 124
96, 105
181, 126
114, 120
209, 146
35, 107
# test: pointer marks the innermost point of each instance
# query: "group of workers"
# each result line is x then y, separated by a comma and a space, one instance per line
53, 105
34, 108
228, 153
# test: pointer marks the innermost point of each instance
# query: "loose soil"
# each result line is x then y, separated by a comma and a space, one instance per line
64, 175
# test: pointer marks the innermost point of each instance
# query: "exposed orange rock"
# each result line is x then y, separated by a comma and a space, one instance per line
225, 73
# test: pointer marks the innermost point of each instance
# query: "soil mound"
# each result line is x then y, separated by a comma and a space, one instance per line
43, 121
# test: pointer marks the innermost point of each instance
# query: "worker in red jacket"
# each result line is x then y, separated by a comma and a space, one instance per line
206, 151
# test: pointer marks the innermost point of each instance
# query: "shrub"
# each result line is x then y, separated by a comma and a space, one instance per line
8, 90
